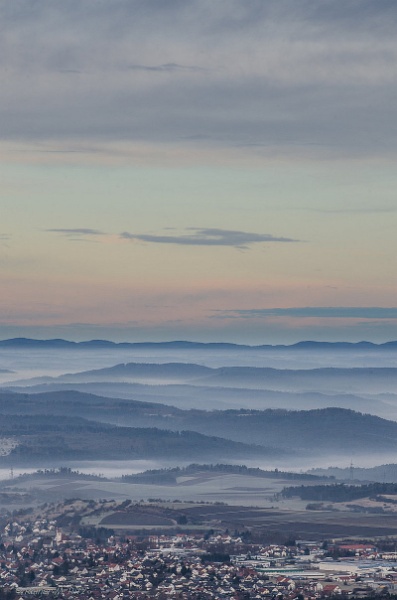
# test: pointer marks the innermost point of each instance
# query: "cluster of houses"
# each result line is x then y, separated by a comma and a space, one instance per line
39, 559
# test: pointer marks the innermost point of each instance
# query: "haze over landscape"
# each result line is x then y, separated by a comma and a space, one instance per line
198, 318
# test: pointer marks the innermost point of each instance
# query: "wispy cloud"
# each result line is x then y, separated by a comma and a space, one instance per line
165, 68
208, 237
4, 239
353, 211
323, 312
78, 232
193, 236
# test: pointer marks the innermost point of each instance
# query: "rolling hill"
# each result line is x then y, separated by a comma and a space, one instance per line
329, 430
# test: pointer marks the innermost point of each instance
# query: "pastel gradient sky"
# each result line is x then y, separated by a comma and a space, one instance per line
204, 170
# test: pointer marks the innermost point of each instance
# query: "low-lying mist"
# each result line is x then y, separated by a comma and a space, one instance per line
125, 387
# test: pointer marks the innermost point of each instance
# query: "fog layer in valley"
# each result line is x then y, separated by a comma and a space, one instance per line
116, 394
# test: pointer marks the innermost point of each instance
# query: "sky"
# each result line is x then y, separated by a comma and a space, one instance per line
197, 169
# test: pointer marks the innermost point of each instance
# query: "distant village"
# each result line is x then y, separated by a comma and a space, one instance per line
41, 558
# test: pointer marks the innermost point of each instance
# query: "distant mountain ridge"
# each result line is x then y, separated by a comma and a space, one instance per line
183, 344
335, 379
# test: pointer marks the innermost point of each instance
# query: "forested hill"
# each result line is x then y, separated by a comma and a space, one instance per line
161, 476
386, 473
49, 439
340, 492
322, 430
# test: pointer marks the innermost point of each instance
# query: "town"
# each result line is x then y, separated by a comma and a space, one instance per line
40, 557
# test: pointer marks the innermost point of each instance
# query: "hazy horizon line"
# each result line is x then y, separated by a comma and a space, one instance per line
22, 339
